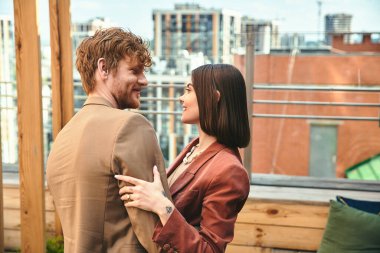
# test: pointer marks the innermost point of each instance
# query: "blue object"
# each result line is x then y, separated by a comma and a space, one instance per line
363, 205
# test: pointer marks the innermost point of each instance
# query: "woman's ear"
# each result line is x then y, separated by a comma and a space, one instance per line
102, 68
217, 95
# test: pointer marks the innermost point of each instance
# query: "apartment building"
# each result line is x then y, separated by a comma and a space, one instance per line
214, 32
336, 23
266, 33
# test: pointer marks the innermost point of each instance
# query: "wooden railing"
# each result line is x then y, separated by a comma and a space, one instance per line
274, 219
278, 224
12, 224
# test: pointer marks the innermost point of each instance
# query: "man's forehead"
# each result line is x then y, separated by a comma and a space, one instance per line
133, 61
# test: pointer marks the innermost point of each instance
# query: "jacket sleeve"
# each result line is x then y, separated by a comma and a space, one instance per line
223, 200
135, 153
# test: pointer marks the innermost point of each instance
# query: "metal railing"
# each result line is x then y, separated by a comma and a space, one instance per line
261, 101
315, 88
283, 102
151, 102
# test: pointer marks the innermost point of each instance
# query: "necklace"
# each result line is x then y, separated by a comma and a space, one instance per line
188, 160
182, 167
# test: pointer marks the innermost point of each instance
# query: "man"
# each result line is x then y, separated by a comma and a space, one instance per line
103, 140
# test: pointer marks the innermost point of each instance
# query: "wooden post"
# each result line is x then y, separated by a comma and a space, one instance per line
61, 70
249, 69
29, 100
1, 202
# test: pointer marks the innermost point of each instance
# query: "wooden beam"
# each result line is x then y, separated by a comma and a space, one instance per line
263, 225
12, 198
249, 78
1, 162
281, 237
284, 224
285, 213
13, 219
231, 248
61, 70
12, 240
1, 202
61, 63
29, 100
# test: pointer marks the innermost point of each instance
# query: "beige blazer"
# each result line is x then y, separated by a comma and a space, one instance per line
97, 143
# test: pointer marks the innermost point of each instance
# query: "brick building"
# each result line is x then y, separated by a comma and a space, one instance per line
322, 148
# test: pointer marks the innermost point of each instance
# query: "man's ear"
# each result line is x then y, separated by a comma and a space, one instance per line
102, 68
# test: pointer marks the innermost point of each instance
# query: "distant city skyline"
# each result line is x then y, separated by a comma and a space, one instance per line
292, 15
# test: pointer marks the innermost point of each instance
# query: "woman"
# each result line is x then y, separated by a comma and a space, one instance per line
208, 183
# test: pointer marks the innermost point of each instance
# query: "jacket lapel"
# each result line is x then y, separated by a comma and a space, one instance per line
180, 157
194, 167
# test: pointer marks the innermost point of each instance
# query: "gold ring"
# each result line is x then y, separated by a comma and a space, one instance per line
129, 197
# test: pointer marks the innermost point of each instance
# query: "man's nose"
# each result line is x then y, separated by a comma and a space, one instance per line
142, 80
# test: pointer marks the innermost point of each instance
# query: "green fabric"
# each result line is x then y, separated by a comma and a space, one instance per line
350, 230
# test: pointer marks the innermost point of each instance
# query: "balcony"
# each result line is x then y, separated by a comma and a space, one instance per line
296, 99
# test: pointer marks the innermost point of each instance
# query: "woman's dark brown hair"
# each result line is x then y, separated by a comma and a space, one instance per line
225, 118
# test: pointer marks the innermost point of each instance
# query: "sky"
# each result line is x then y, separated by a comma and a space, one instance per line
292, 15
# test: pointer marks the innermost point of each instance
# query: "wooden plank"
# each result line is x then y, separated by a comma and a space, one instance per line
281, 237
249, 77
12, 198
1, 201
290, 251
49, 204
12, 240
29, 100
279, 230
61, 64
55, 68
67, 82
285, 213
62, 69
231, 248
12, 220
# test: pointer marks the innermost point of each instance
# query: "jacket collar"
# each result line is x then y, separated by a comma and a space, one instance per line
97, 101
194, 167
